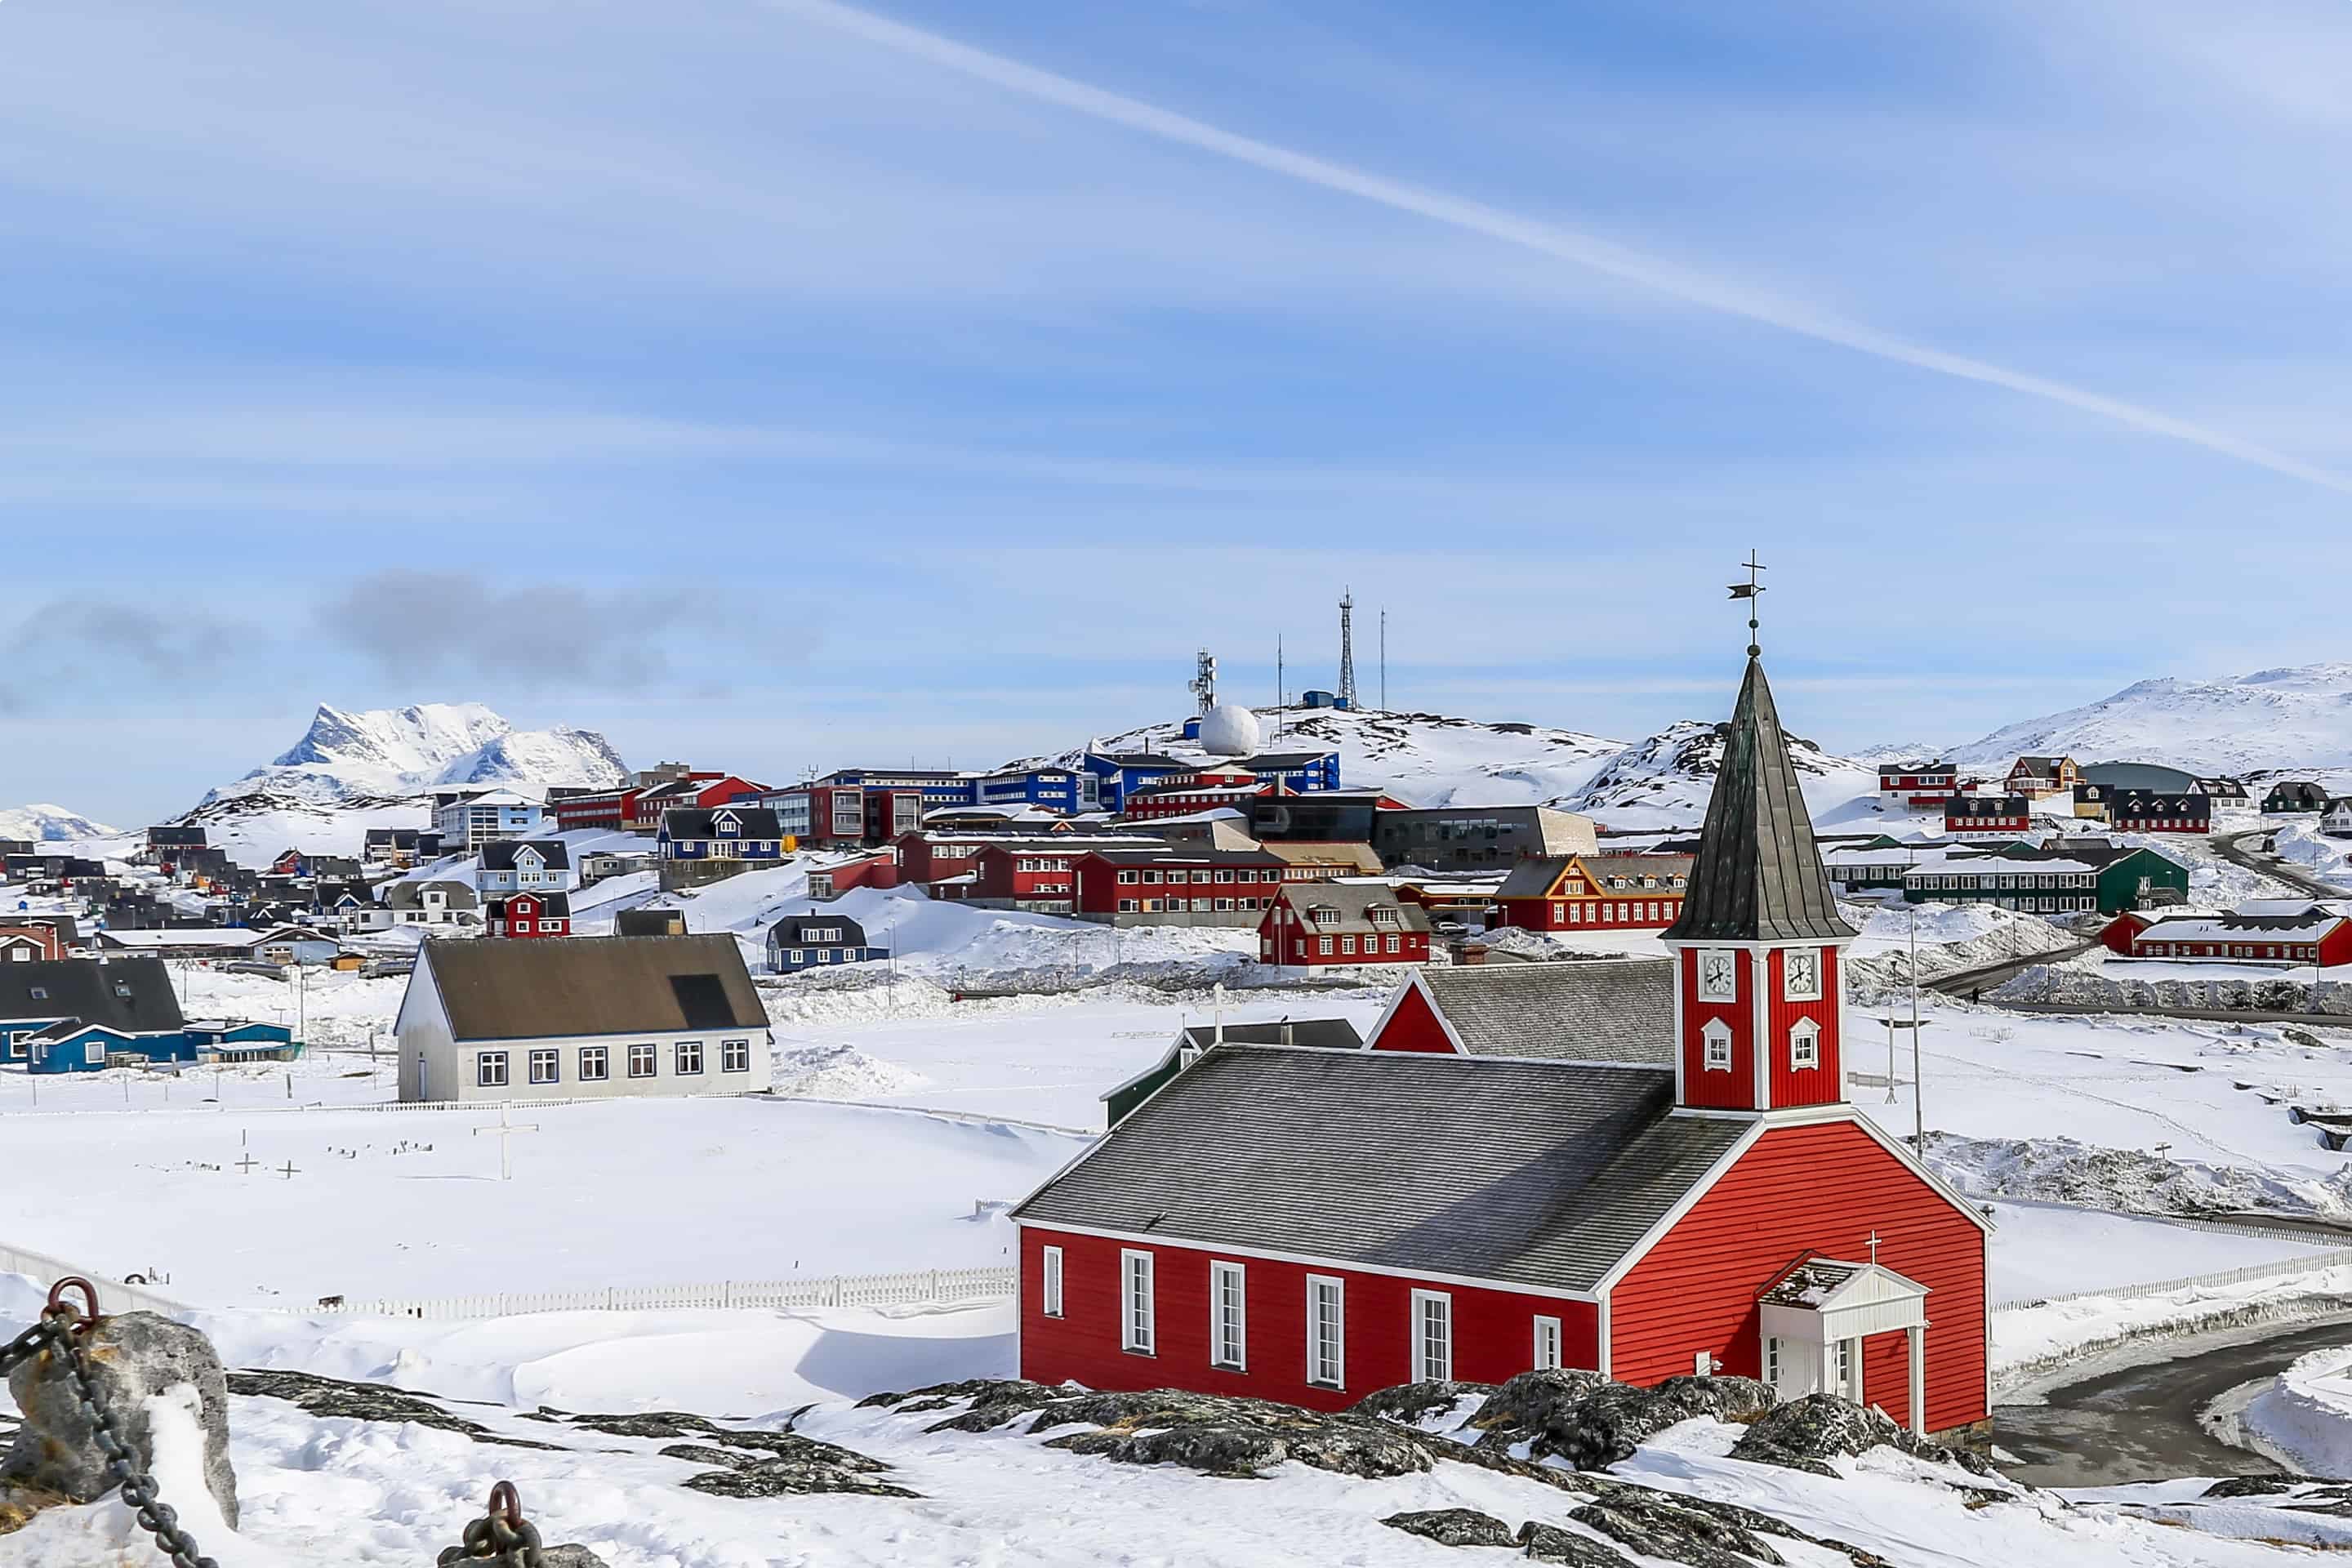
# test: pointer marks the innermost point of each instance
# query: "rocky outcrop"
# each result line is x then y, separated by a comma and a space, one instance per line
1454, 1527
1651, 1524
1550, 1543
1415, 1404
333, 1396
134, 1360
1806, 1434
1589, 1422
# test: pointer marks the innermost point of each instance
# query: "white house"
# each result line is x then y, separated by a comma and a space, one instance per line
570, 1018
525, 865
440, 902
2338, 821
479, 818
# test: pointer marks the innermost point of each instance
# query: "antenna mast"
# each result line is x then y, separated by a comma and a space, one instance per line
1348, 648
1203, 686
1384, 658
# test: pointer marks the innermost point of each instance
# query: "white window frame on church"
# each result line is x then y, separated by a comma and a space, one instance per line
1548, 1342
1327, 1331
1707, 990
1804, 1044
1790, 989
1715, 1042
1433, 1336
1228, 1317
1138, 1312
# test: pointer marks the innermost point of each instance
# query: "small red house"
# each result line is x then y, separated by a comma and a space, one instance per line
2284, 932
1917, 783
1342, 922
529, 915
1581, 1188
2136, 811
1593, 892
1988, 814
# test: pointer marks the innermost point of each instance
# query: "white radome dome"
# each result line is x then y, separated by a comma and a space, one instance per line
1230, 730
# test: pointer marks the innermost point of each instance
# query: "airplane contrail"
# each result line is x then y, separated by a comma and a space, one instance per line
1653, 273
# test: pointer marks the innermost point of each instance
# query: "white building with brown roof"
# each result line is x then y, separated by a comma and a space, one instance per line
581, 1017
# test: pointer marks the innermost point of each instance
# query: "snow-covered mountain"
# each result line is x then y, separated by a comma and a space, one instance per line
1429, 759
44, 822
353, 771
2271, 721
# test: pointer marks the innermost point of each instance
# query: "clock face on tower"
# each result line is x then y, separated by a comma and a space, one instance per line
1719, 978
1803, 973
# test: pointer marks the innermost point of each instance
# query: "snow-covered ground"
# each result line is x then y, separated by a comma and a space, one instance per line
410, 1203
2307, 1415
2044, 1249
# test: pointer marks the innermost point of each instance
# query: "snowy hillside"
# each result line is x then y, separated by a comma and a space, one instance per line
2299, 717
354, 770
39, 821
1428, 759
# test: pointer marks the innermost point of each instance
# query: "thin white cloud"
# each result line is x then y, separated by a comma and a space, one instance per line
1601, 256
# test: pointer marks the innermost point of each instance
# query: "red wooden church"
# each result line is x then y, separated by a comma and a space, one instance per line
1653, 1173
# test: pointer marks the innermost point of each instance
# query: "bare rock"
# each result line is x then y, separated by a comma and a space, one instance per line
132, 1358
1806, 1434
799, 1477
1550, 1543
337, 1397
1651, 1525
1454, 1527
1412, 1403
1590, 1423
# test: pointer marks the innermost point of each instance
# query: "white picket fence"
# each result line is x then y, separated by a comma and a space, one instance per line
2309, 1263
919, 1288
113, 1295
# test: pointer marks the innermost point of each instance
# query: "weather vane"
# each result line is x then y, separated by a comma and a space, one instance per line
1747, 590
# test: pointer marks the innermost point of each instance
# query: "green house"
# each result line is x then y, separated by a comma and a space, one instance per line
1324, 1034
2058, 879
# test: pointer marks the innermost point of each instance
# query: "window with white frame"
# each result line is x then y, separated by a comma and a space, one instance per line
1327, 1331
1050, 1292
596, 1064
1843, 1362
491, 1069
1804, 1044
544, 1067
641, 1061
688, 1058
1716, 1040
1546, 1354
1433, 1336
1136, 1308
734, 1056
1228, 1317
1772, 1360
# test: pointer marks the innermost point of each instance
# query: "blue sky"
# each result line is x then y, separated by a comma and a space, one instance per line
788, 384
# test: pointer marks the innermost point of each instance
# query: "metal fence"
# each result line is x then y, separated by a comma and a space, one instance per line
2310, 1263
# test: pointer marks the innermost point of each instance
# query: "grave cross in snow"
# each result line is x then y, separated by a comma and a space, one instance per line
505, 1132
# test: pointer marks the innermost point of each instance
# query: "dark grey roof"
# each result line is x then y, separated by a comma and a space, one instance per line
1317, 1033
499, 855
2298, 790
1537, 1173
550, 904
592, 985
1758, 876
2137, 775
1354, 903
750, 822
2038, 767
793, 930
1279, 762
649, 923
85, 989
2141, 804
1142, 760
1987, 805
175, 836
1578, 1010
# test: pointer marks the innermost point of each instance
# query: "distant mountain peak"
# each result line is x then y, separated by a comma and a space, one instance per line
43, 822
2283, 719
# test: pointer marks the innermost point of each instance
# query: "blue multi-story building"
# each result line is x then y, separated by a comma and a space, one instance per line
1056, 789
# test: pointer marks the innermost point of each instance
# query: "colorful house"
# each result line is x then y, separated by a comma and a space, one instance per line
1320, 924
54, 1012
1192, 885
1594, 892
1914, 785
2284, 932
525, 865
731, 834
2035, 777
530, 915
1472, 1217
1988, 814
2290, 795
2134, 812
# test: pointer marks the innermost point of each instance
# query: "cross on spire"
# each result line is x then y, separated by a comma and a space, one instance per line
1749, 591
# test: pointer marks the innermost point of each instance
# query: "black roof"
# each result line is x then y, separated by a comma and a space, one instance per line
1575, 1010
1538, 1173
550, 904
1758, 876
175, 836
1144, 760
499, 855
2303, 790
2141, 803
1279, 762
792, 930
750, 822
649, 923
92, 990
1987, 805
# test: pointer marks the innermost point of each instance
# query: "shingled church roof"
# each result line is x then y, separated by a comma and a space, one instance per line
1758, 876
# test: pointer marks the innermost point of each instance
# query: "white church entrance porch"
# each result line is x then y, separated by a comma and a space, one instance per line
1817, 1313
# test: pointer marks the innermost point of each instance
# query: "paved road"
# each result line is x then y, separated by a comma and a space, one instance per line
2232, 848
2139, 1424
1964, 982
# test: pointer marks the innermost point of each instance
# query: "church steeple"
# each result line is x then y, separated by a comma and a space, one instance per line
1758, 942
1758, 877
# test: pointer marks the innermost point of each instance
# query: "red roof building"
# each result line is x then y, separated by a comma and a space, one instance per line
1649, 1171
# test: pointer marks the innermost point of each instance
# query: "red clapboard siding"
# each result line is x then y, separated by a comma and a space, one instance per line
1413, 1027
1824, 1188
1494, 1330
1814, 1086
1719, 1090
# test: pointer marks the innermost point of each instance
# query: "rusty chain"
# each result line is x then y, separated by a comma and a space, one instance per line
501, 1537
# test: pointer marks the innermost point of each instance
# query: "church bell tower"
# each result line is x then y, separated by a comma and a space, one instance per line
1759, 944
